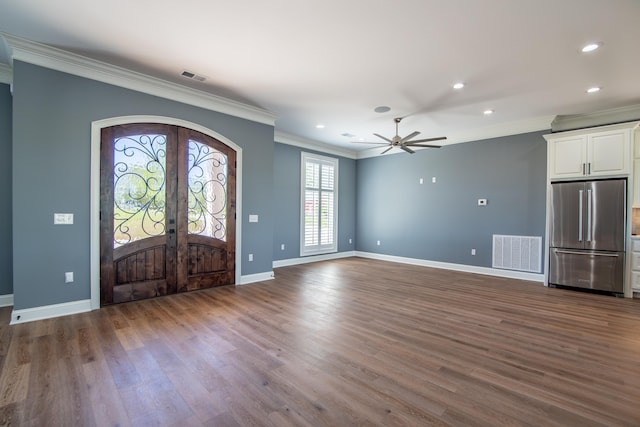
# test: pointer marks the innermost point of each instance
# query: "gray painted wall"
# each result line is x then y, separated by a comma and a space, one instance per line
286, 172
379, 198
6, 274
442, 221
52, 115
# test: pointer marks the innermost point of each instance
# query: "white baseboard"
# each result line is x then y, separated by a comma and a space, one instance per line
49, 311
511, 274
313, 258
6, 300
64, 309
258, 277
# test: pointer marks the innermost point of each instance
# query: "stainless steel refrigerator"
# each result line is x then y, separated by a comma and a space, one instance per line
588, 234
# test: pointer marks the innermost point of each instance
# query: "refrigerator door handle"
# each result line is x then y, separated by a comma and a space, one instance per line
561, 251
589, 222
580, 216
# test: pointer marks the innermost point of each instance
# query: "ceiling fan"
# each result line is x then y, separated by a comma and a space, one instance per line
406, 142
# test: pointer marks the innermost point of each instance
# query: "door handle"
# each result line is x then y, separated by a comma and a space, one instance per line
589, 222
580, 216
558, 251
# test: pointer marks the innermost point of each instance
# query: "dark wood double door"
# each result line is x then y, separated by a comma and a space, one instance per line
167, 212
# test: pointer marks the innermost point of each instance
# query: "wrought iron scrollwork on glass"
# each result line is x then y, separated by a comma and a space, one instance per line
207, 199
139, 194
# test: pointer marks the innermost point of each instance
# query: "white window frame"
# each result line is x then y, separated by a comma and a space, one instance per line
327, 248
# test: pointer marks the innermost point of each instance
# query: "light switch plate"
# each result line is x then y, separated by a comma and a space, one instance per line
63, 218
253, 218
482, 202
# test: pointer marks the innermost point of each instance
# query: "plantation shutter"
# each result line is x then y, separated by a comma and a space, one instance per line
319, 211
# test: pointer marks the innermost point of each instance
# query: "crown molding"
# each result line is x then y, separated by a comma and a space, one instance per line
504, 129
71, 63
285, 138
599, 118
632, 125
6, 74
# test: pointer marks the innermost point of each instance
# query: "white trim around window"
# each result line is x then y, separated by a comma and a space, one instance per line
318, 204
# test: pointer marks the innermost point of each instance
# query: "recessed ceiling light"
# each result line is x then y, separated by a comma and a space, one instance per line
487, 112
382, 109
458, 85
594, 89
590, 47
320, 126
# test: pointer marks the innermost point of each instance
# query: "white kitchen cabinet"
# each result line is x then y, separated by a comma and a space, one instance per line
636, 183
589, 153
567, 156
635, 265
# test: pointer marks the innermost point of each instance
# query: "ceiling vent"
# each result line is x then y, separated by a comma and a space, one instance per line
193, 76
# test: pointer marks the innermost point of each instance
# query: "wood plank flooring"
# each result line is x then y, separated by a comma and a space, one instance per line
339, 343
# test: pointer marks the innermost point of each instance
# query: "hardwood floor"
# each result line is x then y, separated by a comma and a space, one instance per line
339, 343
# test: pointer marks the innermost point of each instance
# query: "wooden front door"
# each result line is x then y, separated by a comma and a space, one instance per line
167, 212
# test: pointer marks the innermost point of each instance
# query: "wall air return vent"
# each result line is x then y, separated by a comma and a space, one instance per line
522, 253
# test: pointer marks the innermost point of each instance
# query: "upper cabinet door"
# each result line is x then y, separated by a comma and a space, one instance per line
609, 153
586, 155
568, 157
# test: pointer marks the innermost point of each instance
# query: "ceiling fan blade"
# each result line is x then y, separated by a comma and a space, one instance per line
390, 147
407, 149
383, 137
408, 137
439, 138
408, 144
366, 142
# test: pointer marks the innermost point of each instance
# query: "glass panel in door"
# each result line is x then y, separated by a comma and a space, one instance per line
139, 186
207, 196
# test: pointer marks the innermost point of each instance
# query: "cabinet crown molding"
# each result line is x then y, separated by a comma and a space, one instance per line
564, 123
626, 125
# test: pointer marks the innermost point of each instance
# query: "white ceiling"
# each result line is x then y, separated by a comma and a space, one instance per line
334, 61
